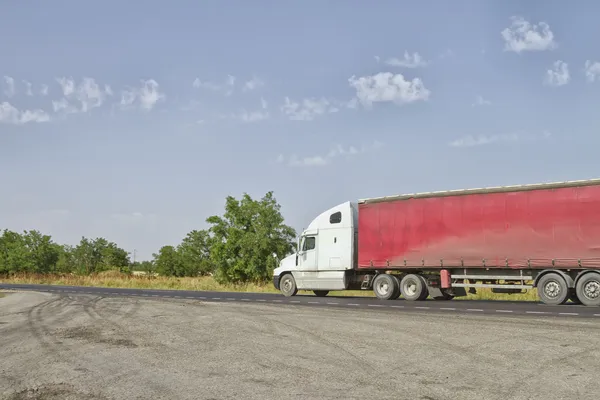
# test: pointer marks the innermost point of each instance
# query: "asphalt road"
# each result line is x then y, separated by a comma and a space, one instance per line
63, 346
453, 306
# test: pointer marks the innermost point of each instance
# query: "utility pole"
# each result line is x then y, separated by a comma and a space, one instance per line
134, 251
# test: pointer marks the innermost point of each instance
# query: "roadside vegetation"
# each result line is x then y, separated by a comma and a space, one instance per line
237, 252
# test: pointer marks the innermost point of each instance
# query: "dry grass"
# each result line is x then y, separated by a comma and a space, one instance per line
115, 279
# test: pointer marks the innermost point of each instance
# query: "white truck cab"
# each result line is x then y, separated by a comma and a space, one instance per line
327, 249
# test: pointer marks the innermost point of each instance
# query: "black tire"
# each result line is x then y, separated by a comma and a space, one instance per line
397, 293
414, 287
320, 293
385, 287
425, 292
588, 289
553, 289
287, 285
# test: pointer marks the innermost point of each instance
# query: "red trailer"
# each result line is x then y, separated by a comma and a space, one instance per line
505, 238
443, 244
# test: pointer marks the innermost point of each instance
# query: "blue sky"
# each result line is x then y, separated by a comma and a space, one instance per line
134, 122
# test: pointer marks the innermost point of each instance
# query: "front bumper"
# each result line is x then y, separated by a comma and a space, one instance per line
276, 282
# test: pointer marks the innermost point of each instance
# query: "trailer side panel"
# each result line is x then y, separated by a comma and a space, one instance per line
515, 229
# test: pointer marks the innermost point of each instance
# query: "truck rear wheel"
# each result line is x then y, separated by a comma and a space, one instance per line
397, 293
287, 285
386, 287
320, 293
588, 289
413, 287
553, 289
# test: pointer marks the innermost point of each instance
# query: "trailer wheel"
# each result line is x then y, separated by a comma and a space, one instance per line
588, 289
385, 287
287, 285
413, 287
320, 293
397, 293
553, 289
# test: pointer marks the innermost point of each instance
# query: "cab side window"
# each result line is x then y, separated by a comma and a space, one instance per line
309, 243
335, 218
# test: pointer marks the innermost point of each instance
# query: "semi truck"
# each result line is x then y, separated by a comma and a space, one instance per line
446, 244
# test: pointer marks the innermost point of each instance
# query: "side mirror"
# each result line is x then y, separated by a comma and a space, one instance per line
296, 259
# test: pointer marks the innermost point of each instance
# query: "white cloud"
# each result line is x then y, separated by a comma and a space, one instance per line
10, 86
44, 90
326, 159
387, 87
64, 106
308, 109
408, 61
67, 86
254, 116
197, 84
148, 95
480, 140
377, 59
559, 75
252, 84
263, 103
28, 88
227, 87
9, 114
523, 36
480, 101
592, 70
88, 93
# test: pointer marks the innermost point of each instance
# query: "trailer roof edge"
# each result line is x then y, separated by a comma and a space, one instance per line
484, 190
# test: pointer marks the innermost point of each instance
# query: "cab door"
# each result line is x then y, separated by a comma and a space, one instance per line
307, 257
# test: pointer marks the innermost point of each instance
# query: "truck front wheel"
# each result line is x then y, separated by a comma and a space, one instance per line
385, 287
287, 285
588, 289
413, 287
553, 289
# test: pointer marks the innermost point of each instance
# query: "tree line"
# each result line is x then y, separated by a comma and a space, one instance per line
238, 246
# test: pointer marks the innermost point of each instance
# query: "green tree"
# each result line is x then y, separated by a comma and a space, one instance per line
66, 259
194, 251
147, 266
168, 262
14, 254
42, 251
245, 238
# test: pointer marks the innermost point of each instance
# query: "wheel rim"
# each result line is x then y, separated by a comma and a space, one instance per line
410, 288
286, 285
552, 289
591, 289
383, 287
